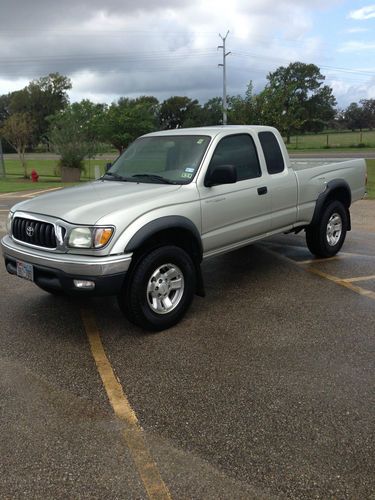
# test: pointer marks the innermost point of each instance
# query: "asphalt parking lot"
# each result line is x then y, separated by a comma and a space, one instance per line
265, 390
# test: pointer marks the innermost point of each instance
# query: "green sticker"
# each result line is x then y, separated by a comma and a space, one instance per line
185, 175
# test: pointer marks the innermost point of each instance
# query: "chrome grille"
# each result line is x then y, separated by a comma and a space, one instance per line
34, 232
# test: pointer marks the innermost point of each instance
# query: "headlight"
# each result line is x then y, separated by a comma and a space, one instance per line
9, 222
80, 237
90, 237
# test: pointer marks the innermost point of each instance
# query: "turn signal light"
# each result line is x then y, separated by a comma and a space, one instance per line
102, 236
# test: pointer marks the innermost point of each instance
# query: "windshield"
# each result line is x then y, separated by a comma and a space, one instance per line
161, 159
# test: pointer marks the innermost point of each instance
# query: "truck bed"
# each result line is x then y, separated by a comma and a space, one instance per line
304, 163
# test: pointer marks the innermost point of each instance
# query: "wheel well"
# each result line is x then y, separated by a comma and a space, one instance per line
179, 237
339, 194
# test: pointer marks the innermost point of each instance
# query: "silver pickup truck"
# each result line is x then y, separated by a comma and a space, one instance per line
170, 200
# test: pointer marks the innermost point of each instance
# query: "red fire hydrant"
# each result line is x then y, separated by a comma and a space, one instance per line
34, 176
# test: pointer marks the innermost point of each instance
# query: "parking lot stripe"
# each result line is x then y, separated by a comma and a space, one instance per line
132, 431
313, 261
360, 278
7, 195
339, 281
40, 191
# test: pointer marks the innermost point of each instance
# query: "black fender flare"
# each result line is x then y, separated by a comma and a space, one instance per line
171, 222
323, 197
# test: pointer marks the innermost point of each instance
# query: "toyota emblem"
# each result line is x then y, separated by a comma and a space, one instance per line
29, 231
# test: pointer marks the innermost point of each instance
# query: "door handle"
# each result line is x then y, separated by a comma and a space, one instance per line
262, 190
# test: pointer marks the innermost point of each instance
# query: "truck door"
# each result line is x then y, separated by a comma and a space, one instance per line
234, 213
282, 183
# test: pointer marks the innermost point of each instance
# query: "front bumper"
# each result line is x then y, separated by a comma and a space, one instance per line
58, 271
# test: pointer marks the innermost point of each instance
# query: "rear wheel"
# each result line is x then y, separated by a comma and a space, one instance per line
160, 289
326, 238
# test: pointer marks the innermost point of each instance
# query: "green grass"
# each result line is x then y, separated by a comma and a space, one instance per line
49, 168
16, 185
334, 140
371, 179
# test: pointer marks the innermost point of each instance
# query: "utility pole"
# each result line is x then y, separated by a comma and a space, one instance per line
2, 164
225, 54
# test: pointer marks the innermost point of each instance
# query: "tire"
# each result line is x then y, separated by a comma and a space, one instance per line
326, 238
160, 289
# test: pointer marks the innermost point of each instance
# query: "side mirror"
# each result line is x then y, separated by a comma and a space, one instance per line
108, 166
221, 174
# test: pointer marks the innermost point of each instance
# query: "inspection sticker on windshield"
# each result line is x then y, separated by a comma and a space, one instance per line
199, 141
185, 175
189, 169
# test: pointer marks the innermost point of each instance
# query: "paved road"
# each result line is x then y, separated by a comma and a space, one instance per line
265, 390
334, 154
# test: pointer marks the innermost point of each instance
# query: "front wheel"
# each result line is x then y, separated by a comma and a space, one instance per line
160, 289
326, 238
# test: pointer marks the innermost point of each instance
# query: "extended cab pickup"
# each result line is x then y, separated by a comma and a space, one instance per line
170, 200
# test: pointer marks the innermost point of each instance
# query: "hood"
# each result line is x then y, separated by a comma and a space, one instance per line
89, 203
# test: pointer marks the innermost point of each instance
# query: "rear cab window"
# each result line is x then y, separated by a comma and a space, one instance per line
272, 152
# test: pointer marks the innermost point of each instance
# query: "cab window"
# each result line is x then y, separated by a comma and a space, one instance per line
238, 150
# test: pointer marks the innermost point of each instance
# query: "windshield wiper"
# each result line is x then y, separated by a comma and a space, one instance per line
115, 176
154, 177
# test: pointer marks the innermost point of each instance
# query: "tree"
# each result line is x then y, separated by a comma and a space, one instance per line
128, 119
213, 111
40, 99
355, 117
242, 110
177, 111
4, 108
5, 147
74, 132
295, 98
90, 117
18, 130
368, 106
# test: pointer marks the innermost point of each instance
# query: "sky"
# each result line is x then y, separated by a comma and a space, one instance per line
117, 48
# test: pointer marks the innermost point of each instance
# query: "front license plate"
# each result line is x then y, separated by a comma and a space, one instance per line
25, 270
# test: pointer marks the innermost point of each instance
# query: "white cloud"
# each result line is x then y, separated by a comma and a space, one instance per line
354, 46
8, 85
348, 92
362, 14
159, 47
356, 30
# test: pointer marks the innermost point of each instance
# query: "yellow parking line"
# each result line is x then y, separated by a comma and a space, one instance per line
132, 431
16, 194
339, 281
6, 195
340, 256
359, 278
313, 261
40, 191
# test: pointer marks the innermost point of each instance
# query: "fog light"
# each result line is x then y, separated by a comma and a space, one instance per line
88, 285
